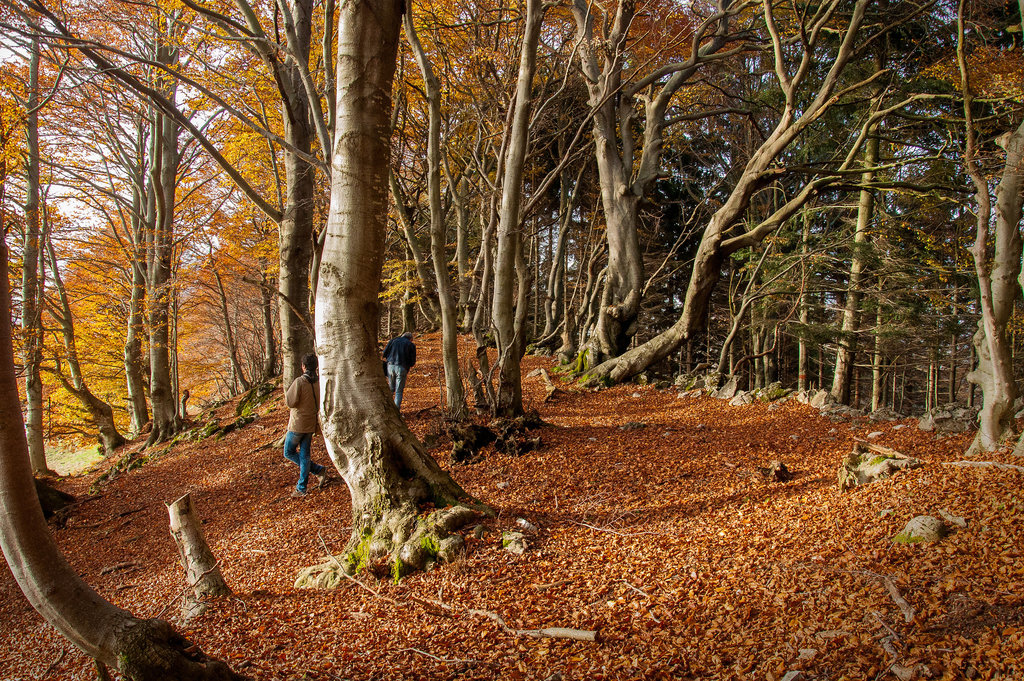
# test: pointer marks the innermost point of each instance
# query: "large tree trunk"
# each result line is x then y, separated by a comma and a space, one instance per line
997, 270
33, 276
455, 392
296, 225
627, 167
389, 474
142, 650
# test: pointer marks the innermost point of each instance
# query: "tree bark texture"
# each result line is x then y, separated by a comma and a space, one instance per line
508, 325
454, 390
202, 574
33, 276
388, 472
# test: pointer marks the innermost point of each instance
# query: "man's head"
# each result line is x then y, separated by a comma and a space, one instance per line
407, 334
310, 363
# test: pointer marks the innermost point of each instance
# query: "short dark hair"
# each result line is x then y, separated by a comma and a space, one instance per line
407, 334
309, 362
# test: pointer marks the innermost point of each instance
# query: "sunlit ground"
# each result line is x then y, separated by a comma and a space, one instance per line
68, 460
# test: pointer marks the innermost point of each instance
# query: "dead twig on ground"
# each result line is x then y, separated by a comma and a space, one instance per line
439, 659
550, 632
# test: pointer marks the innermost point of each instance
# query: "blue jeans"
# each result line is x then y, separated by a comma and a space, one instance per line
396, 381
296, 450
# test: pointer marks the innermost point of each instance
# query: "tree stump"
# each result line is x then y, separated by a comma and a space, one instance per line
201, 571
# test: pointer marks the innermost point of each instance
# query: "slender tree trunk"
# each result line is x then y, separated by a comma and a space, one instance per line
269, 336
388, 472
803, 360
33, 276
455, 392
427, 279
236, 367
99, 411
877, 382
508, 324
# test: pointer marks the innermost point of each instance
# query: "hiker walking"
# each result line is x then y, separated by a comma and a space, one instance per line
303, 399
400, 354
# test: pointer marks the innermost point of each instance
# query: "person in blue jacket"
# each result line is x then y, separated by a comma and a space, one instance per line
400, 355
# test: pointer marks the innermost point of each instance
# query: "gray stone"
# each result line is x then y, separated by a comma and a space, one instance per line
922, 528
820, 399
514, 542
728, 391
877, 433
741, 398
862, 467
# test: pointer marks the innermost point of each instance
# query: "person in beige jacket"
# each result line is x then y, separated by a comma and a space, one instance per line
303, 399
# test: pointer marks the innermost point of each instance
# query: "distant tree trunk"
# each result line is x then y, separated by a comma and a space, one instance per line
269, 337
803, 360
134, 364
459, 192
877, 384
33, 276
508, 321
554, 300
142, 650
163, 179
847, 348
426, 278
389, 474
455, 392
229, 335
99, 411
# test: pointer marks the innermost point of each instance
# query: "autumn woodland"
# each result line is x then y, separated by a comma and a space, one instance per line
716, 305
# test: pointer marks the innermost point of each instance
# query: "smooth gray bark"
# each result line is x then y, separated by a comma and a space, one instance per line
454, 391
388, 472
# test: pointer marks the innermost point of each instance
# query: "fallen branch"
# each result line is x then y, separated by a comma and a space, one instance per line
985, 464
120, 566
905, 607
552, 632
881, 449
615, 532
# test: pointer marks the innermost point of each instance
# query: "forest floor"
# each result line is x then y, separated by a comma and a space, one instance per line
664, 539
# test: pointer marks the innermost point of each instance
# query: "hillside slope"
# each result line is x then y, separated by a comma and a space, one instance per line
661, 536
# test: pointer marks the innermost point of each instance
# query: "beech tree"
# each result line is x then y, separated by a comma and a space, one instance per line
389, 474
799, 48
997, 260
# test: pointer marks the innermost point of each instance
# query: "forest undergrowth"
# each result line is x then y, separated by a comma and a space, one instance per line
654, 529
